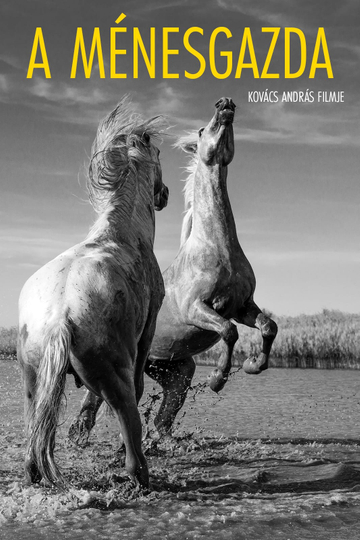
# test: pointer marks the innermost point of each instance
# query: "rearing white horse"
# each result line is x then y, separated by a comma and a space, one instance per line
92, 310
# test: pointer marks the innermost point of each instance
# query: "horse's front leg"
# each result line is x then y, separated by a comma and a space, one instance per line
80, 428
205, 317
253, 316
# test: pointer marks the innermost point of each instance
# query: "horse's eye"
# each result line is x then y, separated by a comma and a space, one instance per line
146, 137
200, 131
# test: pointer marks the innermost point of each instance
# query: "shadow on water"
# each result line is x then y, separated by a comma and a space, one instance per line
196, 468
233, 467
205, 468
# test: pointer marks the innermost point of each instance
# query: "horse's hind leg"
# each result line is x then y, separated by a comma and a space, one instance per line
175, 378
123, 403
203, 316
32, 474
255, 318
115, 384
81, 426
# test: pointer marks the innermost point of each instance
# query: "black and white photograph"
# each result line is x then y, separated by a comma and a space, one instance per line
180, 270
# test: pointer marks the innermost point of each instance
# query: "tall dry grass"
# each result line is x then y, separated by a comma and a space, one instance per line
330, 339
8, 337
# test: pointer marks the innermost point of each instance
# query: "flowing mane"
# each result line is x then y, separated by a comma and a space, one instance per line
188, 143
117, 153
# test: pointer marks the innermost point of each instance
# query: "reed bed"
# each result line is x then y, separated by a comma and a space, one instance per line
330, 339
8, 337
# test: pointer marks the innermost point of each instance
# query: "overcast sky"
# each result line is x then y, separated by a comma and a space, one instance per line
294, 182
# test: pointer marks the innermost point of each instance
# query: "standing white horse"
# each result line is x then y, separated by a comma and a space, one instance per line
92, 310
208, 285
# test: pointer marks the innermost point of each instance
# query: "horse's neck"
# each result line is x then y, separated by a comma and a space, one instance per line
212, 215
128, 218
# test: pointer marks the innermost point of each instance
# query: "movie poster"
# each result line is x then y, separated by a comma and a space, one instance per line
291, 69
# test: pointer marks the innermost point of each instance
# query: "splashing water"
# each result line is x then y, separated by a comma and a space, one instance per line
207, 480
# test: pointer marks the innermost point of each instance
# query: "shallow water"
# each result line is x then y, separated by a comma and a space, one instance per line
275, 456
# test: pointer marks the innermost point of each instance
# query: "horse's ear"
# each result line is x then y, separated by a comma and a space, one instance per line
145, 137
189, 147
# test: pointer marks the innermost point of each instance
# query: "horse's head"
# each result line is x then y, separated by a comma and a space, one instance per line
161, 191
124, 157
215, 144
216, 140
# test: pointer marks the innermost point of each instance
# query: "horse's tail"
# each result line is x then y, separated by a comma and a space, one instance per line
48, 399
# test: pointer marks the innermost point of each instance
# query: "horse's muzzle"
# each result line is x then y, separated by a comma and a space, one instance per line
226, 110
161, 198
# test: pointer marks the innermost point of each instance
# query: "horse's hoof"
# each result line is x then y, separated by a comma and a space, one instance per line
254, 366
78, 434
217, 380
32, 474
